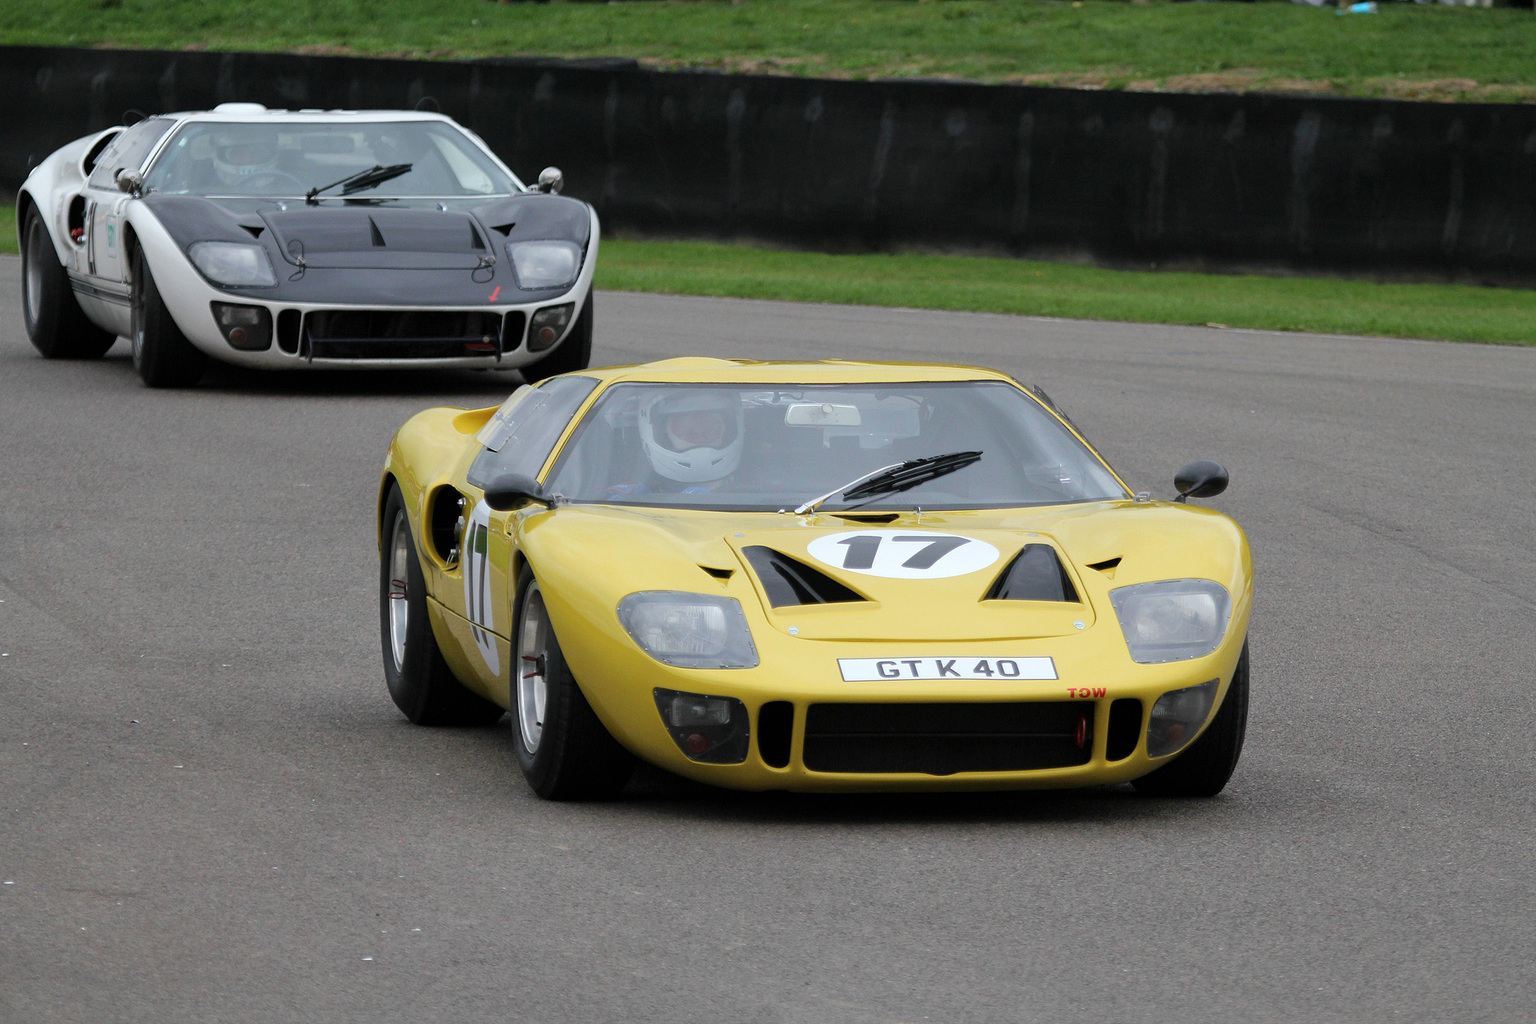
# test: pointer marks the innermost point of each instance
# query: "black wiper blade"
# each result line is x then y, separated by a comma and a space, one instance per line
902, 476
375, 175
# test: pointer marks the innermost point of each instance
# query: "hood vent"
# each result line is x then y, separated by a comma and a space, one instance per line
719, 574
1035, 575
791, 582
375, 235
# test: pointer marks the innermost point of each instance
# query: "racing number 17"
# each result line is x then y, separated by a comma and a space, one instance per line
863, 548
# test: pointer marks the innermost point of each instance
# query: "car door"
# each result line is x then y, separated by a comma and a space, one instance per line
106, 268
478, 590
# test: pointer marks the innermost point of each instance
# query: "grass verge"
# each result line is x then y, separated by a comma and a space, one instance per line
980, 284
1411, 51
1325, 305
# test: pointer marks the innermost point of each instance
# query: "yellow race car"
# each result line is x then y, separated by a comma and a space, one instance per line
809, 576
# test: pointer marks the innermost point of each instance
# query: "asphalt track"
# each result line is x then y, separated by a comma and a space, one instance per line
210, 811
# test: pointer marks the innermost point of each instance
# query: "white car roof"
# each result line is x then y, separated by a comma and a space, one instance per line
255, 112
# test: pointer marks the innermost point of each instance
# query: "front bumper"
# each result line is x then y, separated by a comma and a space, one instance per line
812, 731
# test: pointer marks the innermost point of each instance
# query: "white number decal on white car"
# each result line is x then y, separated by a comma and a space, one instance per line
477, 585
903, 554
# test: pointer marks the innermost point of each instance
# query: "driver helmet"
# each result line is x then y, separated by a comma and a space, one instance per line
692, 436
239, 154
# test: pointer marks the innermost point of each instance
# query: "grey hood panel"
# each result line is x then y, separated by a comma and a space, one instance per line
378, 237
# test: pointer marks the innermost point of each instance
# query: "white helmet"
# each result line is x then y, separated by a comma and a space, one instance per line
240, 153
692, 436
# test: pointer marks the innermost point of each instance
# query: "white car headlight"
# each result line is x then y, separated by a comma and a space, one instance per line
545, 264
1172, 620
689, 630
233, 263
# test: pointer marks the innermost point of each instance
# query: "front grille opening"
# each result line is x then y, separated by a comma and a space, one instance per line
775, 728
791, 582
288, 330
1036, 574
1124, 729
512, 327
402, 334
945, 739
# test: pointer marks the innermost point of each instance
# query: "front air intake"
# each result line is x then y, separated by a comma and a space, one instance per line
1035, 575
791, 582
943, 739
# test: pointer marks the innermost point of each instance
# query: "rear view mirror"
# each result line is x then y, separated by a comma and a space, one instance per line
821, 414
1202, 479
508, 491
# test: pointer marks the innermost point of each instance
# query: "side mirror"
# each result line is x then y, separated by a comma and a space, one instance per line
129, 181
1202, 479
512, 490
551, 180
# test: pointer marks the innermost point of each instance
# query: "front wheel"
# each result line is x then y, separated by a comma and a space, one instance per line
563, 749
161, 353
55, 322
420, 682
1204, 767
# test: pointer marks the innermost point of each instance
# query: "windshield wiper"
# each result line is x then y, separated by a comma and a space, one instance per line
900, 476
375, 175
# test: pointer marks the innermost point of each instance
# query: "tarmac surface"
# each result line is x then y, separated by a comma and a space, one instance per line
210, 810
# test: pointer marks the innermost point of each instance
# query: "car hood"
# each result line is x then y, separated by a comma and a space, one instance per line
910, 578
354, 237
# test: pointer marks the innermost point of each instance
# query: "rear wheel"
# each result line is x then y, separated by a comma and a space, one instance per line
55, 322
161, 353
1205, 765
420, 682
564, 751
574, 353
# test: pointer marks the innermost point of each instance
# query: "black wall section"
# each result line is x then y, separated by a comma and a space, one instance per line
1305, 183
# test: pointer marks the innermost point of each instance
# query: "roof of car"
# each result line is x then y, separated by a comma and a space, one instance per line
709, 370
255, 112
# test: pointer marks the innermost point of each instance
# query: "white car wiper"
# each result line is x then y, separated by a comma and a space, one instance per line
373, 176
899, 476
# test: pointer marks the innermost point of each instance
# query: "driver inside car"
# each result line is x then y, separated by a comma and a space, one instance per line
692, 441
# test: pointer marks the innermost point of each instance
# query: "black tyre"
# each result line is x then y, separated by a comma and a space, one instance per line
161, 353
420, 681
55, 322
1205, 765
574, 353
563, 749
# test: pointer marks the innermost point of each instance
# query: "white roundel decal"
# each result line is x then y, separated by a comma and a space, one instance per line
903, 554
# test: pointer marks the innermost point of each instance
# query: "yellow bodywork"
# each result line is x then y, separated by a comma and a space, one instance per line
587, 557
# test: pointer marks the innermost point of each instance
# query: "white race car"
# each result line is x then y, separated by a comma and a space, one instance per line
286, 239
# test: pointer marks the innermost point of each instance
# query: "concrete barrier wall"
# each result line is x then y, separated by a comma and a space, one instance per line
1224, 181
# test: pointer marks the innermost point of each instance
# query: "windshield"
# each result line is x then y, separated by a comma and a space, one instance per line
767, 447
287, 159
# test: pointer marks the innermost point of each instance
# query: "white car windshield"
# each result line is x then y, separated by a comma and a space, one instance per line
771, 447
287, 159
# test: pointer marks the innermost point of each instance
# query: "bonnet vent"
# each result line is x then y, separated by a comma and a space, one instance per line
1035, 575
790, 582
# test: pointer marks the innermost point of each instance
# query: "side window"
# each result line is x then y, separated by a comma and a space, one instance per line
519, 438
128, 150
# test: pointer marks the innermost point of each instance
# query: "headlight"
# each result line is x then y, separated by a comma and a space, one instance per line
545, 264
1177, 716
1172, 620
689, 630
233, 263
715, 730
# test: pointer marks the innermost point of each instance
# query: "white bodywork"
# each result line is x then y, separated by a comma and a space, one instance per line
99, 263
